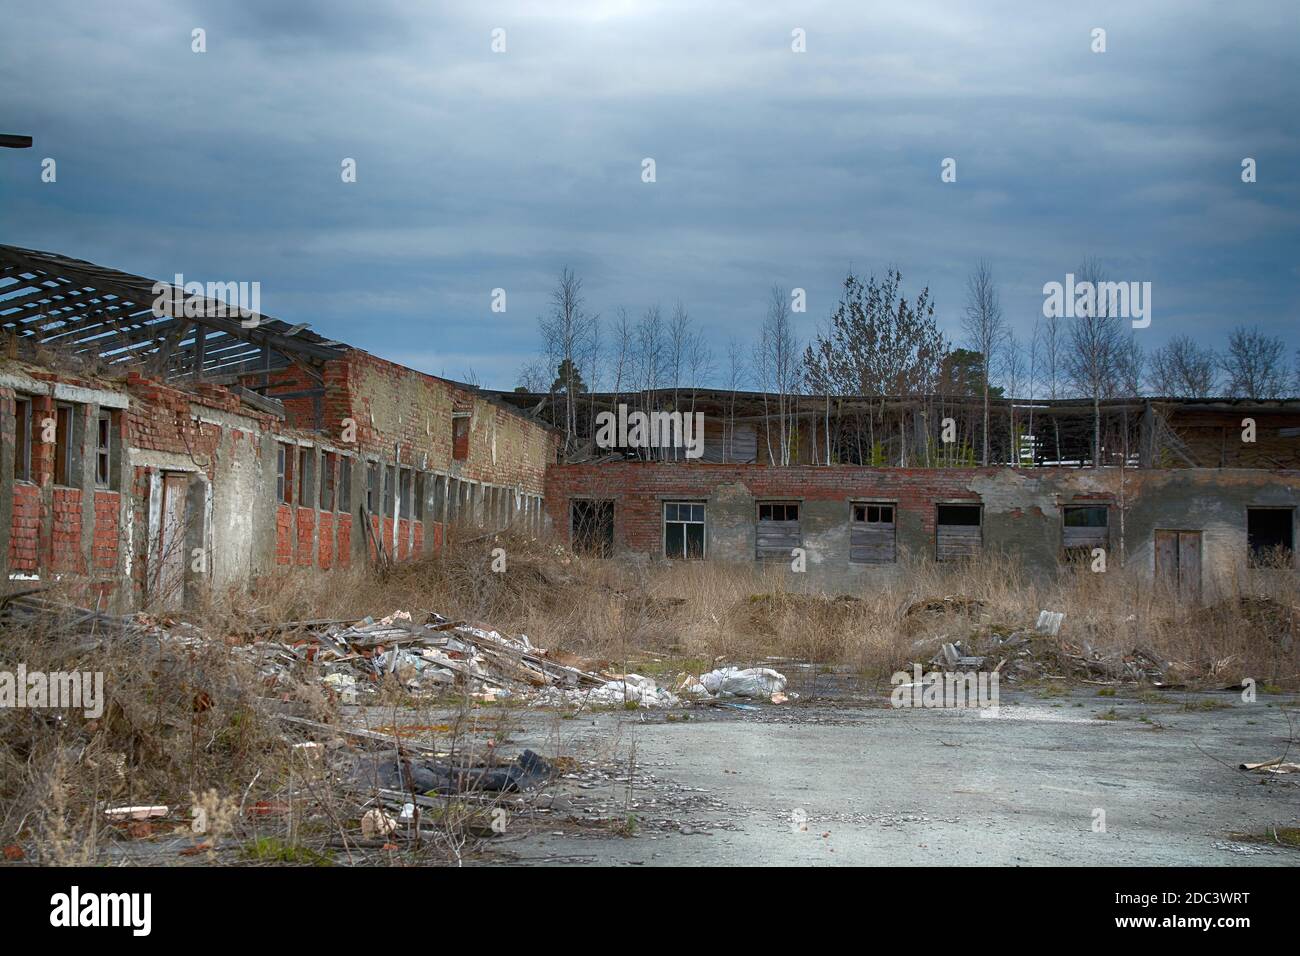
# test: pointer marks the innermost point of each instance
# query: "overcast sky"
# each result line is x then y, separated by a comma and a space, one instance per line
478, 170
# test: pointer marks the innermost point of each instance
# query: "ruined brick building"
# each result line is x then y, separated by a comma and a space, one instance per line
146, 457
149, 457
1192, 494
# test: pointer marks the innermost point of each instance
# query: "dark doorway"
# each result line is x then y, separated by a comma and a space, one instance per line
592, 529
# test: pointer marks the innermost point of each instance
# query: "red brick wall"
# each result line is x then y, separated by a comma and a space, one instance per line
284, 534
306, 519
26, 528
344, 537
415, 410
65, 534
325, 539
104, 549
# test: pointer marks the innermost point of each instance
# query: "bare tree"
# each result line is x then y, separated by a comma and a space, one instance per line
1182, 368
1254, 364
737, 374
621, 351
879, 343
1051, 349
1130, 366
1093, 359
649, 358
985, 330
1014, 372
533, 377
679, 343
567, 332
776, 361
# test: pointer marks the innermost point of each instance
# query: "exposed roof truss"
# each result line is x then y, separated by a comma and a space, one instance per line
92, 312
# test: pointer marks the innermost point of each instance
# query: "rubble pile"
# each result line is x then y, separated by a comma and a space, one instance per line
1024, 655
352, 659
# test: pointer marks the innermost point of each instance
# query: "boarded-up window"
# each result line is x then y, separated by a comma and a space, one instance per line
1085, 527
957, 532
592, 526
1270, 535
872, 538
777, 531
683, 529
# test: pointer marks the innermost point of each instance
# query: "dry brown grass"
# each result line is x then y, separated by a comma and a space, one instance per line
184, 724
616, 611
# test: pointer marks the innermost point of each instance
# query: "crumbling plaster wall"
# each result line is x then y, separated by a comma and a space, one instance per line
1022, 510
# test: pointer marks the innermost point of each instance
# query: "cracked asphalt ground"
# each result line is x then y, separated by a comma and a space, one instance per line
853, 781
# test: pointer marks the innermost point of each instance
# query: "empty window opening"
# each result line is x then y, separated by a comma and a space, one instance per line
958, 534
23, 439
777, 532
683, 529
1270, 536
872, 536
593, 526
417, 504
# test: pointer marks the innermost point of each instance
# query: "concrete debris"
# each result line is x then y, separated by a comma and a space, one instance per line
1049, 622
135, 813
376, 823
1032, 655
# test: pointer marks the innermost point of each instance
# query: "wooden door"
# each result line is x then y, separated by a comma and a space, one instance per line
1178, 564
169, 576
